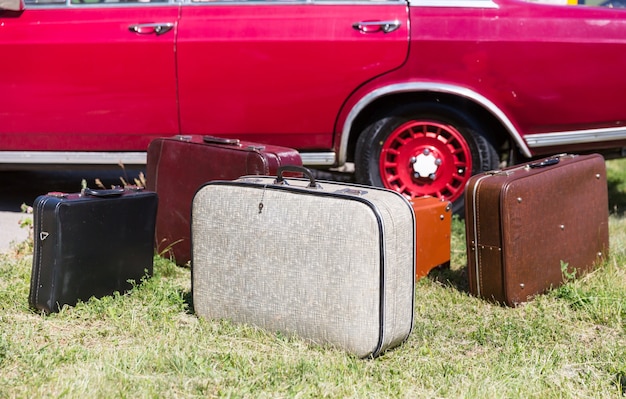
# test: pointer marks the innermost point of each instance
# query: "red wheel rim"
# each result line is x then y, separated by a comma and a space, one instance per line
426, 158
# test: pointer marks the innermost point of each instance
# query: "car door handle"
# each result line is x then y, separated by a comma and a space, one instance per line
158, 28
376, 26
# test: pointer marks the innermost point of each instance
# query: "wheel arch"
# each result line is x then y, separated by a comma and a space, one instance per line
380, 102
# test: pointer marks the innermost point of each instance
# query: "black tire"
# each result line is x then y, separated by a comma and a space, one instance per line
401, 150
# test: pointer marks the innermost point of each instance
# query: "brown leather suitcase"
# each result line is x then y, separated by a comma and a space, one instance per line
178, 165
524, 222
433, 224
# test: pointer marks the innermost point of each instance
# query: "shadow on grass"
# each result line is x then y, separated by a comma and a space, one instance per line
448, 277
617, 196
188, 299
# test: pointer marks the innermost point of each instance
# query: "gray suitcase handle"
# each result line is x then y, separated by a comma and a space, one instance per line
280, 179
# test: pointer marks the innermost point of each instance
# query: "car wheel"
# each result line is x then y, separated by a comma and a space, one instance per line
424, 149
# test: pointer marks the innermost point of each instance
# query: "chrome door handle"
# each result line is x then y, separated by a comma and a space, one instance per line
158, 28
376, 26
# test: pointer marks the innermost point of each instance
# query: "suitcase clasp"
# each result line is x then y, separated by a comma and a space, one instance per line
351, 191
57, 194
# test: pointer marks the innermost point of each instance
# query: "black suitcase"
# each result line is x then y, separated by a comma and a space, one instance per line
90, 244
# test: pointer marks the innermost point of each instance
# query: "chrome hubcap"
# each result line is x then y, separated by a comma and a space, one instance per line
426, 164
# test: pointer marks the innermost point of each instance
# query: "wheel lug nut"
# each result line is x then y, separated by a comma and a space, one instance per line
416, 175
432, 176
413, 160
438, 161
426, 151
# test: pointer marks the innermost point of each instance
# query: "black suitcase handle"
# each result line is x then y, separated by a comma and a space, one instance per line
104, 193
544, 163
280, 179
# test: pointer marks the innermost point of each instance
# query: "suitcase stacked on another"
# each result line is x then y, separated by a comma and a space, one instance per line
524, 223
177, 166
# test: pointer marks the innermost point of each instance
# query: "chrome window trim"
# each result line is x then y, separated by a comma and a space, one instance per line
73, 158
550, 139
454, 3
431, 87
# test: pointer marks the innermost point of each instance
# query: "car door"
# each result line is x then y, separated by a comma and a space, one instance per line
278, 71
87, 75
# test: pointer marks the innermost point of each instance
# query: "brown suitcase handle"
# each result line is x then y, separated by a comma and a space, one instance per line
280, 179
220, 140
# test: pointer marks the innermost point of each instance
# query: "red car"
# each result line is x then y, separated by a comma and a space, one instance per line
417, 95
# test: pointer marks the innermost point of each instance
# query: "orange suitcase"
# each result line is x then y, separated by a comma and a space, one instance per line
433, 224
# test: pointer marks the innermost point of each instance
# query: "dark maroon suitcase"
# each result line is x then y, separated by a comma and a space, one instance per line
177, 166
90, 244
524, 222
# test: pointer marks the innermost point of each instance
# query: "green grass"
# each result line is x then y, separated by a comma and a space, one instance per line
569, 343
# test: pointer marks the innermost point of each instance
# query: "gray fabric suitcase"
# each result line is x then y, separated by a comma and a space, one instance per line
332, 263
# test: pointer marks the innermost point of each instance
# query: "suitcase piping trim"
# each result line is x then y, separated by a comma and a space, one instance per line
477, 268
340, 194
37, 257
34, 293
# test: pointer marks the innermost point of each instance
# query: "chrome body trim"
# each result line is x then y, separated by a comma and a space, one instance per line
430, 87
575, 137
318, 158
72, 158
115, 158
454, 3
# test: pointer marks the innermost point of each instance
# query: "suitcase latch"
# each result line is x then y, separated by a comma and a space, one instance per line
57, 194
499, 172
351, 191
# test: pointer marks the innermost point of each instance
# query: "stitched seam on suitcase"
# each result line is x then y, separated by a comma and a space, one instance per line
256, 154
40, 245
479, 269
477, 260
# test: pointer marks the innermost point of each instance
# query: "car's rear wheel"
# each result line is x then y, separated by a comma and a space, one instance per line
424, 149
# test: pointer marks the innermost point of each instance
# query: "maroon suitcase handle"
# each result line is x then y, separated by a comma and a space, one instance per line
220, 140
280, 179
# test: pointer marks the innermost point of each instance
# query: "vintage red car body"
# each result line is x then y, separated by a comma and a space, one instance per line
417, 95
